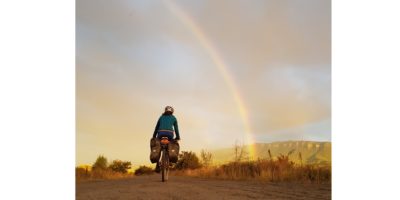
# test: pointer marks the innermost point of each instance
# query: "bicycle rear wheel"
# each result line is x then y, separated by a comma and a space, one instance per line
164, 166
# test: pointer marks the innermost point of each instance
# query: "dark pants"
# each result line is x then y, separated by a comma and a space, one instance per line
168, 134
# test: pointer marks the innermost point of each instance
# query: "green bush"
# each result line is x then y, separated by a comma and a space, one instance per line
187, 160
101, 163
120, 166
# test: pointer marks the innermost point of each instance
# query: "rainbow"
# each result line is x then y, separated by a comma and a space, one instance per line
187, 20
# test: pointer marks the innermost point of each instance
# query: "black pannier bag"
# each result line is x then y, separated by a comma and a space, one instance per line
173, 151
155, 150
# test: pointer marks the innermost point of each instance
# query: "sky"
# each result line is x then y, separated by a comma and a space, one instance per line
246, 71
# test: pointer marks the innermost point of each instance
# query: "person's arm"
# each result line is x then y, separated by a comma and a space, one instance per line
176, 130
156, 129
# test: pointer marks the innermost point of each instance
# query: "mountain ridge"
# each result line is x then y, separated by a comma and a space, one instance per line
306, 152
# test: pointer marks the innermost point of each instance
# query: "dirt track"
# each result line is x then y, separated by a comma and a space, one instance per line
150, 187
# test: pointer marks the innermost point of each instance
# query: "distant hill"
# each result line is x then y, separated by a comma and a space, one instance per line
311, 152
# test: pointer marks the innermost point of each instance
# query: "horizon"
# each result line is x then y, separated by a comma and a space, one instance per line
253, 72
137, 164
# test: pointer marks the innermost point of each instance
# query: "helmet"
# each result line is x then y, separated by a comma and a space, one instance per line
169, 109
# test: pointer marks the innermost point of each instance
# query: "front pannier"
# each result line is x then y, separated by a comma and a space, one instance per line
173, 151
155, 150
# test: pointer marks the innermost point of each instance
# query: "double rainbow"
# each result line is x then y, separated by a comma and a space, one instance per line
188, 21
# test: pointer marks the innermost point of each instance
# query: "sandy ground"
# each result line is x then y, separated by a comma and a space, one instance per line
151, 187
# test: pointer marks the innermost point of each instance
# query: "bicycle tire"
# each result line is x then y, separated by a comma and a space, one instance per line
162, 165
166, 164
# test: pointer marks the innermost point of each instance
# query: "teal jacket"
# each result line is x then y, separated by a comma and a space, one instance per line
167, 122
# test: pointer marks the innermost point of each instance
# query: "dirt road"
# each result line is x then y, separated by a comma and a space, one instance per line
150, 187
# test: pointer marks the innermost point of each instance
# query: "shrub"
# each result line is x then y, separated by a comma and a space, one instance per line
101, 163
100, 170
187, 160
120, 166
82, 173
206, 158
144, 170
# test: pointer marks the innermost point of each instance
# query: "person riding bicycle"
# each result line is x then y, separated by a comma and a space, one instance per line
167, 124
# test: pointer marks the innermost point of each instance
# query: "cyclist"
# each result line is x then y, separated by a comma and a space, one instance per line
166, 125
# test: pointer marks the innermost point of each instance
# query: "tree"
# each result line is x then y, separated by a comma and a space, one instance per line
206, 158
120, 166
187, 160
101, 163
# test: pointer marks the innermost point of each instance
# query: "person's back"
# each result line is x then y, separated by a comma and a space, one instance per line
167, 124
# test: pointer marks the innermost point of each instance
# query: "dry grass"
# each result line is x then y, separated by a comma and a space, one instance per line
84, 174
281, 169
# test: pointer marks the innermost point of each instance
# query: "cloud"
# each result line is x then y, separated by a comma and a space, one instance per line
289, 96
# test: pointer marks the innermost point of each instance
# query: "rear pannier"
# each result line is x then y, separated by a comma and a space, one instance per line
173, 151
155, 150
